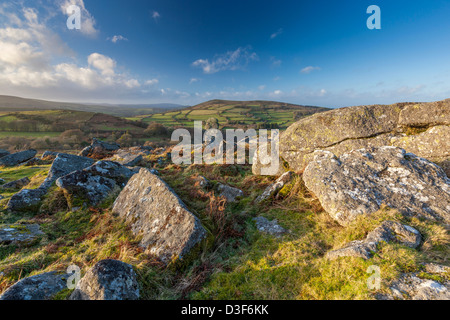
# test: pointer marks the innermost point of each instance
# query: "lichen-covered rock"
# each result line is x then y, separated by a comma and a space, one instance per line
26, 199
326, 129
263, 164
17, 158
228, 192
127, 158
409, 286
108, 280
97, 182
20, 234
51, 155
425, 114
99, 149
18, 184
3, 153
270, 227
153, 210
362, 181
271, 190
432, 144
63, 165
345, 129
388, 231
40, 287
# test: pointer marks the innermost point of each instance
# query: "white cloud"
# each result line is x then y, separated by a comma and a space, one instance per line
309, 69
87, 20
275, 62
117, 38
151, 82
261, 87
104, 64
193, 80
156, 15
34, 61
232, 60
276, 34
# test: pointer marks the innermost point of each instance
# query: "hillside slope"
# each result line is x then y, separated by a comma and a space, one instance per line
237, 114
10, 103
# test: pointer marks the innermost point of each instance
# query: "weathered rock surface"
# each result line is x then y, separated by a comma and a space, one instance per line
271, 190
99, 149
108, 280
127, 158
97, 182
62, 165
410, 286
388, 231
18, 234
40, 287
346, 129
270, 227
361, 181
263, 164
17, 158
153, 210
3, 153
26, 199
18, 184
228, 192
51, 155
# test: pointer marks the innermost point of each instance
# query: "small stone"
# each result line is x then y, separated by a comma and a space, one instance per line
21, 235
388, 231
270, 227
271, 190
229, 193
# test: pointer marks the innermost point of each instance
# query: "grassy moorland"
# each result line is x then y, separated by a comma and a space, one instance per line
238, 262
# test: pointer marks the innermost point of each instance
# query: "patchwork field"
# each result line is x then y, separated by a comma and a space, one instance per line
235, 114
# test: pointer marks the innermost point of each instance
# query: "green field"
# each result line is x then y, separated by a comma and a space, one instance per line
235, 114
4, 134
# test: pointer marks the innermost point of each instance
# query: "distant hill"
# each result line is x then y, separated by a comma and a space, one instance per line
10, 103
236, 114
53, 122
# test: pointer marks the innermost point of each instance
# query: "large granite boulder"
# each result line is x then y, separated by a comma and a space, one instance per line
40, 287
154, 212
99, 149
17, 158
388, 231
345, 129
362, 181
108, 280
21, 235
95, 183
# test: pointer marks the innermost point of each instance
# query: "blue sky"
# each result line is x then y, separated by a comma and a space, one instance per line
186, 52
